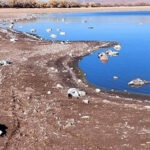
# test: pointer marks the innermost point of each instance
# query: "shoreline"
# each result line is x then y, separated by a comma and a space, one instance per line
39, 113
123, 94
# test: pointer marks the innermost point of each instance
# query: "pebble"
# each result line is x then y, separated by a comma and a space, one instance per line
86, 101
59, 86
147, 107
1, 132
115, 77
53, 36
49, 92
85, 117
97, 90
79, 80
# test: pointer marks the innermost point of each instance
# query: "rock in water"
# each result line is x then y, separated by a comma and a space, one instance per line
103, 58
138, 82
112, 53
117, 47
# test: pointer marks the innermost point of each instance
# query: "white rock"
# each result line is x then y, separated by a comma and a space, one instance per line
85, 117
117, 96
53, 36
147, 107
97, 90
111, 53
70, 54
79, 80
82, 93
117, 47
1, 132
49, 92
13, 40
62, 33
59, 86
52, 68
73, 92
86, 101
115, 77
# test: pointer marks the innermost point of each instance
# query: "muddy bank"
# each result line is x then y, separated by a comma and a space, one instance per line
39, 114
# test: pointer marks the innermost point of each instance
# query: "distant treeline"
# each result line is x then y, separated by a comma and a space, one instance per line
54, 4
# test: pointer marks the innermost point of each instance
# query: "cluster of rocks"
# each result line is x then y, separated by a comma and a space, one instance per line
104, 55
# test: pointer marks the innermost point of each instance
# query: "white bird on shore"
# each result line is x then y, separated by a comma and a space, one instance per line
117, 47
111, 53
53, 36
49, 30
62, 33
33, 30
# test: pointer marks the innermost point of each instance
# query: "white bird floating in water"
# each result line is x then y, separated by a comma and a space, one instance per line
111, 53
33, 30
53, 36
62, 33
49, 30
117, 47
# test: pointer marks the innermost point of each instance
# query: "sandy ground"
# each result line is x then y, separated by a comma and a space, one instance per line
37, 120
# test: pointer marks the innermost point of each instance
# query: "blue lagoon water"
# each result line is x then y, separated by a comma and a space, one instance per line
130, 29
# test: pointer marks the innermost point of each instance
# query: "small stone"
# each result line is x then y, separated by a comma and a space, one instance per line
112, 90
85, 117
49, 92
86, 101
147, 107
97, 90
1, 132
117, 97
59, 86
52, 68
79, 80
115, 77
70, 54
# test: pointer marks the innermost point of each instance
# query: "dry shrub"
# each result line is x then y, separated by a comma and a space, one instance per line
93, 4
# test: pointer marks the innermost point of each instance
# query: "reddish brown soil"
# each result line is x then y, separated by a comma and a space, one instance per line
38, 121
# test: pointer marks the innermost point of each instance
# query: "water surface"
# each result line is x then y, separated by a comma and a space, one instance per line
130, 29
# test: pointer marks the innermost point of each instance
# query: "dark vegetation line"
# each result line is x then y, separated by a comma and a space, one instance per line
55, 4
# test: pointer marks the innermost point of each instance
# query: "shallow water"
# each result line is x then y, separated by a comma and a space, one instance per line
130, 29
